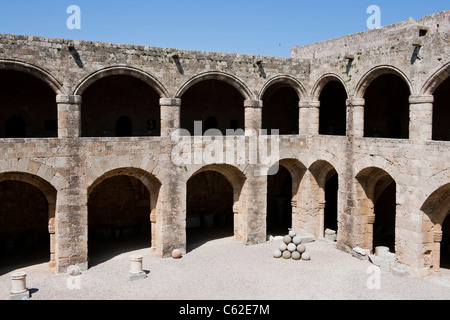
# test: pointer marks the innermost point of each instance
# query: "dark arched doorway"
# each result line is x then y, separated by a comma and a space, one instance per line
118, 217
386, 111
209, 212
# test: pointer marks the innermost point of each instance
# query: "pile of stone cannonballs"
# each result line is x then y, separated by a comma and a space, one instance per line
292, 248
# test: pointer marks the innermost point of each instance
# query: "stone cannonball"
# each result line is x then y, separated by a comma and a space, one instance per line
296, 255
287, 254
277, 254
292, 233
282, 247
297, 240
287, 239
291, 247
301, 248
306, 256
176, 254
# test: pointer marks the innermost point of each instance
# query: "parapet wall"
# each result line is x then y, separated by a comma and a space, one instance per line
391, 34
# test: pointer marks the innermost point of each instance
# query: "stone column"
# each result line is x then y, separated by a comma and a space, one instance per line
253, 116
421, 117
170, 115
69, 116
171, 215
355, 117
309, 117
252, 216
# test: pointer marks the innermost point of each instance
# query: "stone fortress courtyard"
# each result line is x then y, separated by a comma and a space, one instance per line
90, 170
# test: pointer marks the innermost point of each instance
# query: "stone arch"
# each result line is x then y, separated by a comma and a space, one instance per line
284, 80
237, 180
149, 180
50, 194
297, 171
374, 73
151, 183
281, 96
122, 70
371, 184
217, 75
435, 80
36, 71
231, 173
438, 86
321, 173
323, 81
435, 209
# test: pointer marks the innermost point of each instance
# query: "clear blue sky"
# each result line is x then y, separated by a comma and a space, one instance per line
245, 26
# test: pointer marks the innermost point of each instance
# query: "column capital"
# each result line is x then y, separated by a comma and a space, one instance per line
357, 102
256, 104
68, 99
418, 99
170, 102
309, 104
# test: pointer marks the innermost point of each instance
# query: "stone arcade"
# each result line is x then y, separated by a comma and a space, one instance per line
85, 144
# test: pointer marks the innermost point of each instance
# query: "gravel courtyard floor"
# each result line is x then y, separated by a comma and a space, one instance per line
224, 269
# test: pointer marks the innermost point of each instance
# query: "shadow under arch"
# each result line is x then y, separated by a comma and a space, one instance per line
35, 71
50, 195
142, 191
436, 229
376, 198
325, 187
121, 70
238, 84
283, 195
215, 202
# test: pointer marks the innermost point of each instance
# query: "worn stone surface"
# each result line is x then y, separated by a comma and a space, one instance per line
68, 167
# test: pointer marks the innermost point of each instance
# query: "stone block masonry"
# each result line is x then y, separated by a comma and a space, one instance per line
389, 149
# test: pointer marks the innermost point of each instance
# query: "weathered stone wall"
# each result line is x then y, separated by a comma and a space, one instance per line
390, 34
72, 165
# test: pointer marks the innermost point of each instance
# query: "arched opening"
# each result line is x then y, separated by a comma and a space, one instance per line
333, 109
331, 202
386, 111
28, 106
214, 103
279, 202
209, 214
119, 97
376, 198
384, 225
441, 112
24, 225
436, 229
323, 198
124, 128
445, 243
118, 217
281, 110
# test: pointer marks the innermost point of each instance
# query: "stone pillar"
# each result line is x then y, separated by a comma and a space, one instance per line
69, 116
355, 117
421, 117
171, 215
170, 115
253, 221
253, 116
309, 117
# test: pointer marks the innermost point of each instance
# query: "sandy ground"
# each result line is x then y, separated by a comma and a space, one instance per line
224, 269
